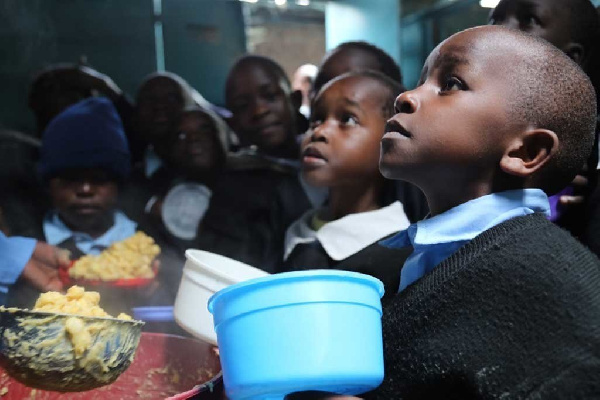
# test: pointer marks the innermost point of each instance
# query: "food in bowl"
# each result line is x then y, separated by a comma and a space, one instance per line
77, 302
67, 342
128, 259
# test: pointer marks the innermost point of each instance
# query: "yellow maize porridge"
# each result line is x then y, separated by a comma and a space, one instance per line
127, 259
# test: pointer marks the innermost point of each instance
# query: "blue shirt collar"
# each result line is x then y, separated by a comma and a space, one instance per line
469, 219
152, 162
56, 232
435, 239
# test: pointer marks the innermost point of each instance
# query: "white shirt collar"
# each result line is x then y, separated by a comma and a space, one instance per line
350, 234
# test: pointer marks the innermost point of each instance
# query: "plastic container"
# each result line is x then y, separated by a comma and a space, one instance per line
298, 331
158, 319
204, 274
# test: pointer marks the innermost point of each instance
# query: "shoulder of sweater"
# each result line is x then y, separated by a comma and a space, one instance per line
529, 250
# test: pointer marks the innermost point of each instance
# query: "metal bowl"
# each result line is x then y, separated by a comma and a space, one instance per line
36, 349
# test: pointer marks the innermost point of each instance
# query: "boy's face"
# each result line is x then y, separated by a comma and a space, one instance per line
543, 18
196, 148
84, 198
347, 123
454, 127
159, 106
263, 114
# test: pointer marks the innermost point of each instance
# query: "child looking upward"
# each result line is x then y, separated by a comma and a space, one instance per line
495, 301
363, 56
341, 152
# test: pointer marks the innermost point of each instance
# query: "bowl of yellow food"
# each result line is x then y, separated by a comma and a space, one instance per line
128, 263
67, 343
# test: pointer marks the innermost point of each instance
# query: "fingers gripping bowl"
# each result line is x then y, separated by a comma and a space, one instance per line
67, 351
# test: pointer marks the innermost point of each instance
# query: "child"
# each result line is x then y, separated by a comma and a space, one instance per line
84, 156
260, 193
264, 108
495, 301
84, 159
160, 104
193, 160
572, 26
341, 152
363, 56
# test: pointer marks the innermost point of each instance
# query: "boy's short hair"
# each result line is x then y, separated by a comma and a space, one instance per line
552, 92
266, 62
88, 134
388, 66
394, 88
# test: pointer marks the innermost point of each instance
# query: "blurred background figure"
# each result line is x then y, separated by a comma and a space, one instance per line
303, 80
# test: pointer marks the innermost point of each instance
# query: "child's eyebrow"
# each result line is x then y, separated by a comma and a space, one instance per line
451, 58
351, 102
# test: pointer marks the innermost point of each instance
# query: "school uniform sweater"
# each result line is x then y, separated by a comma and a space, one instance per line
349, 243
514, 314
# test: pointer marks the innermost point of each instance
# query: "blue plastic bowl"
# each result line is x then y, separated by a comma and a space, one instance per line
297, 331
154, 313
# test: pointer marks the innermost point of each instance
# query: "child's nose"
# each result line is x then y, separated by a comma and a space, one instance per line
85, 188
260, 108
319, 133
406, 103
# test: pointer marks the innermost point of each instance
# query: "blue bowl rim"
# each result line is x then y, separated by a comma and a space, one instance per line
283, 276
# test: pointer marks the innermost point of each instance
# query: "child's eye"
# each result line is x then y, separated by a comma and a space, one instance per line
530, 20
349, 120
315, 122
452, 83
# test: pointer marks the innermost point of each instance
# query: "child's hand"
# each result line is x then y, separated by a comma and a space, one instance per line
580, 184
41, 270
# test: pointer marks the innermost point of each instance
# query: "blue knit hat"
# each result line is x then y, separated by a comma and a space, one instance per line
88, 134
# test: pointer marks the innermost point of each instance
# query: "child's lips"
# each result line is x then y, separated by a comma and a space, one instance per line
394, 128
313, 157
86, 209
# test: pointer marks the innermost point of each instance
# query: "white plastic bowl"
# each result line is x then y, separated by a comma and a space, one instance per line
204, 274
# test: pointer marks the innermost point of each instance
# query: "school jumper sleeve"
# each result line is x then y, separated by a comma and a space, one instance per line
15, 252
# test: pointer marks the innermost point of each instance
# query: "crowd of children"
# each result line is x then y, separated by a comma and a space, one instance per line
453, 193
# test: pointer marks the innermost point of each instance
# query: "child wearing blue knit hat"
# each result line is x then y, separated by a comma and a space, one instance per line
84, 157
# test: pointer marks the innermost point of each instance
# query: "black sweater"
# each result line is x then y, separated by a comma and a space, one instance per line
514, 314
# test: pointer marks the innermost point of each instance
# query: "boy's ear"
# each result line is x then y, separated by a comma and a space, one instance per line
576, 52
529, 152
296, 97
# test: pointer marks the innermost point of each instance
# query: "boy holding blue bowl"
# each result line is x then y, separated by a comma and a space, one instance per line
495, 301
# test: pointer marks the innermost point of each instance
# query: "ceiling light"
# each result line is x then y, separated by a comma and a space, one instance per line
280, 2
489, 3
250, 1
303, 2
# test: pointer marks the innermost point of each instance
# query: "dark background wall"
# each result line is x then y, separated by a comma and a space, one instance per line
202, 38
